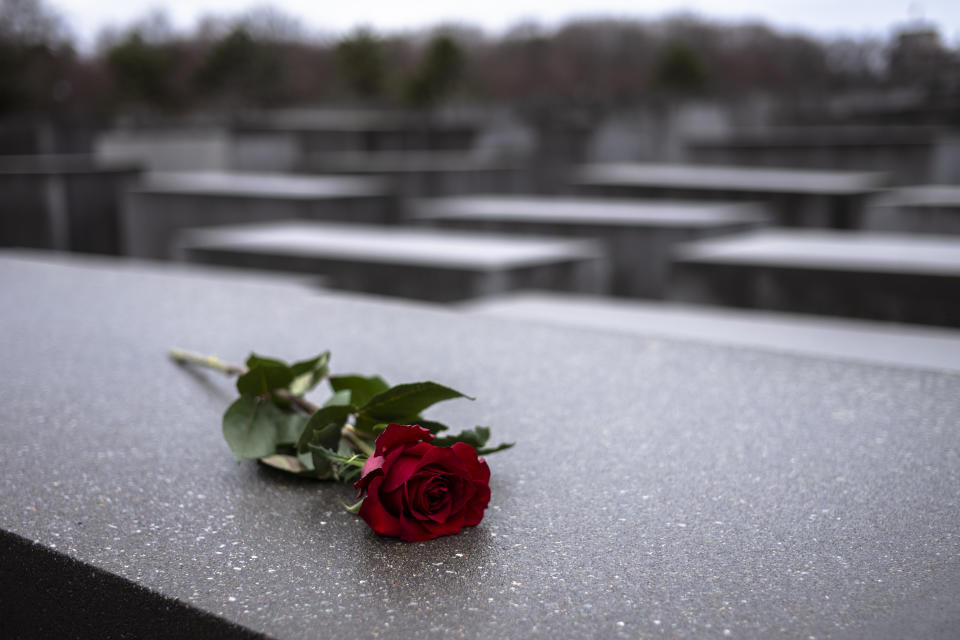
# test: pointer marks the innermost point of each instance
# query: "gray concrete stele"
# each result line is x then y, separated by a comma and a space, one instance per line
420, 264
164, 203
918, 209
364, 131
658, 488
909, 154
638, 235
198, 148
417, 174
893, 277
936, 348
796, 197
63, 202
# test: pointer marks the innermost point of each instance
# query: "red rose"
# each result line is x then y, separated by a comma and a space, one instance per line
419, 491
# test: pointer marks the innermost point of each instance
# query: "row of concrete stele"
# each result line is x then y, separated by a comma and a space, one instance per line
635, 215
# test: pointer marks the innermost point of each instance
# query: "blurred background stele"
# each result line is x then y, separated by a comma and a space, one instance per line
792, 162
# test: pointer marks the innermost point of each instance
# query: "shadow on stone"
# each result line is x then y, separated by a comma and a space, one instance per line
44, 594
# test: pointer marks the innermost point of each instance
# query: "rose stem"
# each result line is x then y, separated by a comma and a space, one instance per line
301, 402
357, 441
213, 362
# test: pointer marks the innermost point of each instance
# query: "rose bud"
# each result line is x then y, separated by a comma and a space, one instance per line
419, 491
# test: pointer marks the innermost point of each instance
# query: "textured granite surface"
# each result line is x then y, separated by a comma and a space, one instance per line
864, 341
658, 489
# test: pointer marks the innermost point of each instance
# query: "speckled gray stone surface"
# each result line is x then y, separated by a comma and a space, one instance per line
658, 488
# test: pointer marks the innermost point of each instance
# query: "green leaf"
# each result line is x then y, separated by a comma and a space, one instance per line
376, 428
291, 464
361, 388
260, 361
264, 376
500, 447
289, 426
254, 428
339, 398
343, 467
345, 449
308, 373
321, 434
320, 462
353, 508
476, 438
324, 427
301, 465
306, 459
431, 425
404, 401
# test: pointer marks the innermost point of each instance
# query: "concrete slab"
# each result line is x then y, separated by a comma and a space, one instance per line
198, 148
798, 197
189, 149
721, 178
33, 133
930, 196
364, 130
917, 209
857, 340
908, 154
414, 263
65, 202
740, 494
270, 185
311, 284
638, 235
417, 174
401, 162
167, 202
898, 277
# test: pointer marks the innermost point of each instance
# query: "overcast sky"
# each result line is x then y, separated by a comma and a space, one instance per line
825, 17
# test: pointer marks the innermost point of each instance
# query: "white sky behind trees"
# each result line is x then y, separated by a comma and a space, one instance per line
86, 18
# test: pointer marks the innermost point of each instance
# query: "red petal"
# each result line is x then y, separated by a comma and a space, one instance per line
400, 470
420, 504
412, 531
479, 470
396, 435
392, 501
443, 513
463, 493
445, 458
416, 502
418, 449
451, 526
372, 468
375, 515
475, 507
